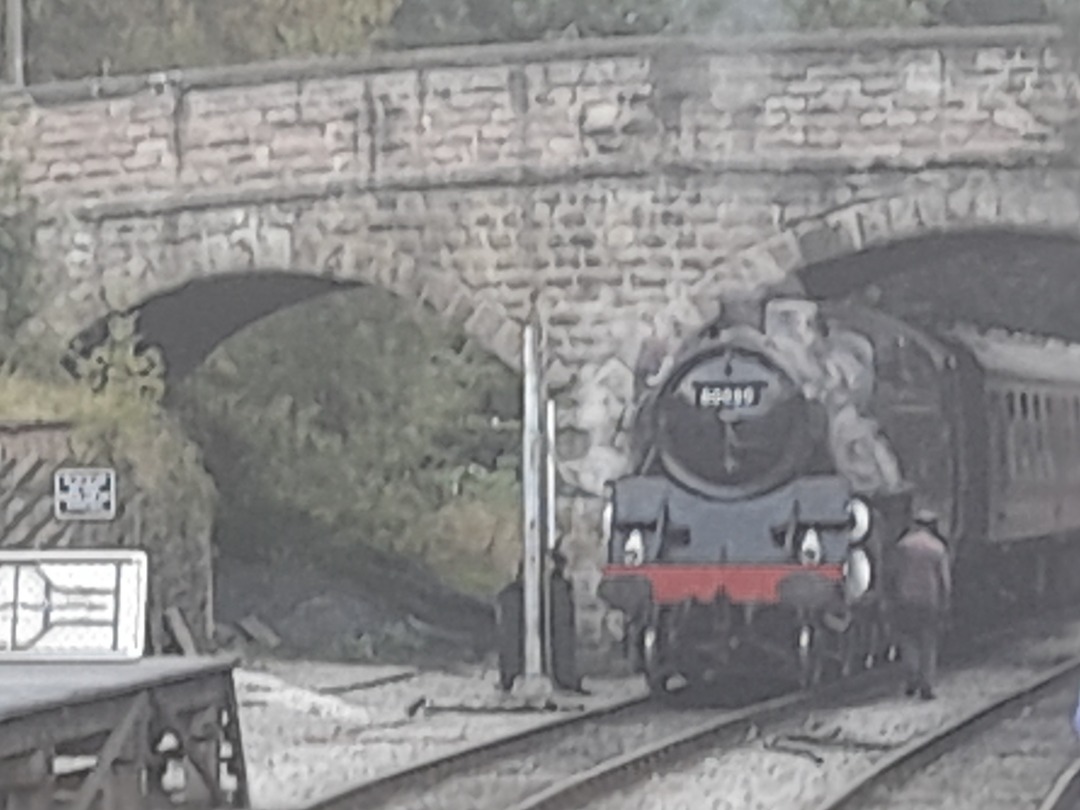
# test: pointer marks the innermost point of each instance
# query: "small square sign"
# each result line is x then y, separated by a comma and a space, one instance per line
84, 494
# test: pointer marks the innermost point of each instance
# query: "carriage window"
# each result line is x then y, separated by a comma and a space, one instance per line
1023, 406
1038, 459
1010, 404
1000, 432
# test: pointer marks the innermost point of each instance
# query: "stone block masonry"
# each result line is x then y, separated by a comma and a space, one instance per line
499, 114
612, 183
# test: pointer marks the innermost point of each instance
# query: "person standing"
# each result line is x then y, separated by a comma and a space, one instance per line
922, 592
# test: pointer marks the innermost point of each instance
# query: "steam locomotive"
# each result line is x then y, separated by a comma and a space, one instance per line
744, 541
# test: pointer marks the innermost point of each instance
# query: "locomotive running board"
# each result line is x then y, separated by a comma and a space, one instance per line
72, 605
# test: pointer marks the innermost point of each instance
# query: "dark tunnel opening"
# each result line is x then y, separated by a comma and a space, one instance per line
1020, 281
305, 395
189, 322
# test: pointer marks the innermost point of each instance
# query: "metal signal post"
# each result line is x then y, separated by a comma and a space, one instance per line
532, 476
550, 535
539, 515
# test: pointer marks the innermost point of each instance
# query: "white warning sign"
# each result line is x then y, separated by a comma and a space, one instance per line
84, 494
72, 605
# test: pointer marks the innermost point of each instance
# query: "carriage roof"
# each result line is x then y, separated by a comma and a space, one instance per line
1021, 356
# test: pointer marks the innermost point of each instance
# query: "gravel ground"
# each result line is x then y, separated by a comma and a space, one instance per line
778, 768
563, 753
1010, 767
302, 744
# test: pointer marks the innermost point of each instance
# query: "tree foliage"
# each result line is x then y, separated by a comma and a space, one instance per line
372, 420
18, 282
420, 22
114, 402
74, 38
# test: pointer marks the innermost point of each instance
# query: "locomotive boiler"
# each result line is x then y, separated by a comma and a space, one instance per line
774, 464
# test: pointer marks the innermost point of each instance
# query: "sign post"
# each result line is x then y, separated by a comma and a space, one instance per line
531, 484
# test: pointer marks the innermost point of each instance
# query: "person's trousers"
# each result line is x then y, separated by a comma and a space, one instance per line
919, 628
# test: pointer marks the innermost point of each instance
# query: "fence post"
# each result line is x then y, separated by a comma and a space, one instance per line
16, 42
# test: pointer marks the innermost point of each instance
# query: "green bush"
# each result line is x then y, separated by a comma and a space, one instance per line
373, 420
74, 38
114, 405
419, 22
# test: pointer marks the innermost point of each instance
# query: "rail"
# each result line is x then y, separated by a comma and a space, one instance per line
381, 791
1065, 792
917, 755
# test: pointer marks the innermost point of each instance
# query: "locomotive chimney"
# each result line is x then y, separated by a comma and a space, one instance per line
791, 319
741, 312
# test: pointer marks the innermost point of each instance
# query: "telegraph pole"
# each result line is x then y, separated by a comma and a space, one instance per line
16, 43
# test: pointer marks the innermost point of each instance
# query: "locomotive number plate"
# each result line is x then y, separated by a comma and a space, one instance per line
729, 395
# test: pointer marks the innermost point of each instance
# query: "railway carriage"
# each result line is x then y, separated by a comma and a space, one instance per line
740, 542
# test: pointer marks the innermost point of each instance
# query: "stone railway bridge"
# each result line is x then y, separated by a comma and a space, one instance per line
610, 182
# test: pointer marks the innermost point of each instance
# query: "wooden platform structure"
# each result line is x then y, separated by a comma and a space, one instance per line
118, 735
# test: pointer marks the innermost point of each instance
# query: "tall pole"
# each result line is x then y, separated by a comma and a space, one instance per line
550, 475
531, 483
551, 531
13, 24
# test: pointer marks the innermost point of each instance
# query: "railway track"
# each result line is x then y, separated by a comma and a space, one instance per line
1064, 794
526, 768
484, 774
576, 761
1000, 756
865, 768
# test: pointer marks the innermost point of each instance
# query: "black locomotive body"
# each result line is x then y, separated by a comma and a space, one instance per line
740, 540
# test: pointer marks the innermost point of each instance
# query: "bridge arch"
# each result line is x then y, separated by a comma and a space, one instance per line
175, 268
836, 252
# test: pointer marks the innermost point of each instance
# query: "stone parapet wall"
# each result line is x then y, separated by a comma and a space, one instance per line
612, 184
499, 114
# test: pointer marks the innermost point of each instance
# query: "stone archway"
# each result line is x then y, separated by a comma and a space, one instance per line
981, 203
117, 263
